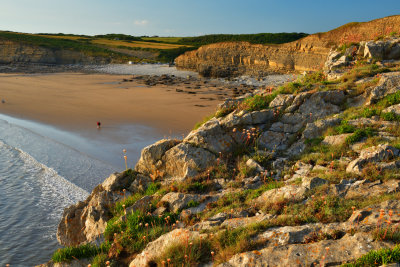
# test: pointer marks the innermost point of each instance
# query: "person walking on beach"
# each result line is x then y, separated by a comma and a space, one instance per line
98, 125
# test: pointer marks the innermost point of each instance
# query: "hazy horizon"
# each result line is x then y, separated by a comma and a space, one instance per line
187, 18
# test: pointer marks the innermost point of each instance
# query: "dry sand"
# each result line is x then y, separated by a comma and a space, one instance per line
75, 102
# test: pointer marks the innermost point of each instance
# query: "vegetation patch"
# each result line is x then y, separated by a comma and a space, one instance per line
377, 257
79, 252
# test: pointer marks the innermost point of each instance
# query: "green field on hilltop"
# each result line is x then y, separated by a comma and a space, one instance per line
121, 46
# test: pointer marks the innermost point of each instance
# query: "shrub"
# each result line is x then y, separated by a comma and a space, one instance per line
133, 234
369, 112
358, 135
345, 128
184, 254
390, 116
257, 102
79, 252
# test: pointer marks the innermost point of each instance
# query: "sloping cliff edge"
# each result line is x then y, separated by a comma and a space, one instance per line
13, 52
307, 54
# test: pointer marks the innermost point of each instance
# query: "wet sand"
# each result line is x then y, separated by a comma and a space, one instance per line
75, 102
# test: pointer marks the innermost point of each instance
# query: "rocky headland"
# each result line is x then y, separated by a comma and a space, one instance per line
306, 173
306, 54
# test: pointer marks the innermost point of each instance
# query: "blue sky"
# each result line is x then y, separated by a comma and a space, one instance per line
187, 17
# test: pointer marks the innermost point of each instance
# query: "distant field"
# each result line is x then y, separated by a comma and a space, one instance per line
68, 37
121, 46
173, 40
138, 44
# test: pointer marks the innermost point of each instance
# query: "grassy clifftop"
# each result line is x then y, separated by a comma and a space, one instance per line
126, 47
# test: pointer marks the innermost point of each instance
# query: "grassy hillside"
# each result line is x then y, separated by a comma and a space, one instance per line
165, 49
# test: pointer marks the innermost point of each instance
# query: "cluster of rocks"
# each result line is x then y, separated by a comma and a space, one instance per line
282, 132
385, 51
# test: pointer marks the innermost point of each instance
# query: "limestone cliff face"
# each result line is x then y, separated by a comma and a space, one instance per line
307, 54
12, 52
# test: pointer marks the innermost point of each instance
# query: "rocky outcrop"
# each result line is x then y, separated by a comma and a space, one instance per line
324, 253
155, 248
85, 221
307, 54
372, 155
12, 52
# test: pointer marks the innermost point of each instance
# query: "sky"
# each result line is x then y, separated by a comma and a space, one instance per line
187, 17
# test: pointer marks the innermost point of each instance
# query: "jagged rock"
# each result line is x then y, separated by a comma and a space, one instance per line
296, 149
178, 201
372, 154
86, 221
377, 214
322, 104
240, 222
212, 136
335, 140
262, 116
395, 109
156, 247
140, 183
352, 189
315, 129
279, 163
298, 100
297, 234
388, 84
151, 156
274, 141
365, 187
289, 192
282, 101
302, 169
186, 160
380, 50
340, 251
251, 163
313, 182
375, 122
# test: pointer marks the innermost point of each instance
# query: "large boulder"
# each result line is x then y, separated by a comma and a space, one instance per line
186, 160
86, 221
388, 84
394, 109
323, 253
158, 246
212, 136
151, 156
316, 128
322, 104
383, 50
372, 155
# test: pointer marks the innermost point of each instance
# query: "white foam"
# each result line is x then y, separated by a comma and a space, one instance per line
51, 182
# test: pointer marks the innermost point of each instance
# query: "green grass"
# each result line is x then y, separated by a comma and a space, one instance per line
377, 257
190, 253
358, 135
79, 252
133, 234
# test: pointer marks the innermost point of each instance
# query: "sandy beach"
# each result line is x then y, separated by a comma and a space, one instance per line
75, 102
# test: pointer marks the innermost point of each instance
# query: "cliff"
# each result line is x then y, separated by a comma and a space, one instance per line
14, 52
307, 54
305, 174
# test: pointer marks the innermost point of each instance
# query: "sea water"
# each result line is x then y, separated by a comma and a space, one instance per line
43, 170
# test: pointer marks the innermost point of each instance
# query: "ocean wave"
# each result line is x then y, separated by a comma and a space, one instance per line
52, 183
